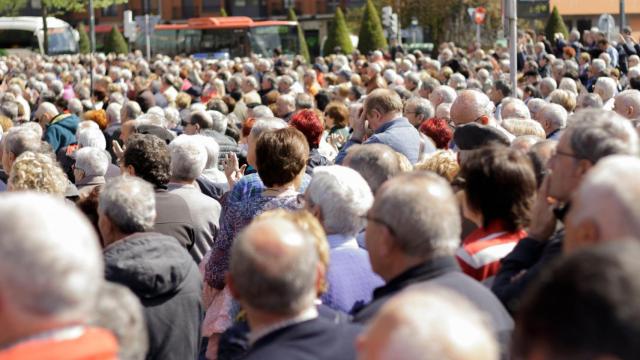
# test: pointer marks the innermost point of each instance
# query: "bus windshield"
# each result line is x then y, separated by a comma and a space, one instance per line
264, 39
18, 39
62, 41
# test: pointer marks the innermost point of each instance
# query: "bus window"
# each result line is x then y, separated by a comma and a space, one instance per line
224, 41
18, 39
266, 38
61, 41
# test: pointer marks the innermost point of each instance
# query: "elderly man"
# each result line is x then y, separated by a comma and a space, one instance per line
594, 134
90, 169
417, 110
553, 119
16, 142
339, 197
147, 157
198, 121
50, 276
513, 108
413, 229
442, 94
279, 295
612, 185
408, 326
376, 163
59, 129
602, 281
607, 89
188, 159
154, 266
627, 104
474, 106
382, 110
285, 107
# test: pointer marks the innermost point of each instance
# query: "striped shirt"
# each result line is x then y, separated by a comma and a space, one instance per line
481, 252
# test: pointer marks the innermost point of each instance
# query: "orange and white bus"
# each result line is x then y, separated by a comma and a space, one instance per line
220, 37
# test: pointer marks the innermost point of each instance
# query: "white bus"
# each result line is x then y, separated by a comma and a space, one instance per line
24, 34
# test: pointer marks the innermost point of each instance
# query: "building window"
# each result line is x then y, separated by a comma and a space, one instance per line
110, 11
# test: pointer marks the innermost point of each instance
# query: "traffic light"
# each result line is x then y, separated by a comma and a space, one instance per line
387, 12
393, 27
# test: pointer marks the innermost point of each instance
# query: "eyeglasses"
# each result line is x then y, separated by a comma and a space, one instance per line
379, 221
562, 153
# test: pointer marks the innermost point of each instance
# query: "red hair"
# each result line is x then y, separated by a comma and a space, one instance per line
309, 123
247, 126
438, 130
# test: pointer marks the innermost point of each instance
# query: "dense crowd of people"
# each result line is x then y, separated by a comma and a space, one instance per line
362, 206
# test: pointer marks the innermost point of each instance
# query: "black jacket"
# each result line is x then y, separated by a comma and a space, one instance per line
315, 159
316, 339
167, 281
522, 266
444, 272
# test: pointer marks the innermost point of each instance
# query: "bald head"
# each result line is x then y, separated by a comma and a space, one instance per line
612, 184
283, 263
408, 326
627, 104
469, 106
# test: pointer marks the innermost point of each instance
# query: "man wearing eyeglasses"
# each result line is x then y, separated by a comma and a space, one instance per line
595, 134
413, 229
474, 106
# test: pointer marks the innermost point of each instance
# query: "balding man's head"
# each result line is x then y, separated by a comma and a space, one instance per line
408, 326
45, 113
612, 184
471, 106
627, 104
381, 106
282, 261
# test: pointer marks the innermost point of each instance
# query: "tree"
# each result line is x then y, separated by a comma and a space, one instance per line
339, 35
116, 43
11, 7
371, 36
555, 24
223, 12
304, 49
84, 43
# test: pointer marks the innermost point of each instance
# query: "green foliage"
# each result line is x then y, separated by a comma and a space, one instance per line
85, 44
555, 24
304, 49
116, 43
371, 36
353, 15
223, 12
338, 35
11, 7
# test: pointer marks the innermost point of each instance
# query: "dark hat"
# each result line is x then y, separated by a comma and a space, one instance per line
345, 74
473, 136
158, 131
195, 91
146, 100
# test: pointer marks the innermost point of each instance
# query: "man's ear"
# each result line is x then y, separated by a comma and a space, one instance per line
131, 170
584, 166
232, 287
630, 111
387, 243
484, 120
317, 212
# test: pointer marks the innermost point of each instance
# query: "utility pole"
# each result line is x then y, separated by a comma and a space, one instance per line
147, 32
513, 45
623, 20
92, 30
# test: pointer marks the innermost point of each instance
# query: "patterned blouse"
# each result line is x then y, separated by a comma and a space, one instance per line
235, 217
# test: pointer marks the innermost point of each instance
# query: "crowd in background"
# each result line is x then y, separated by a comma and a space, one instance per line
389, 205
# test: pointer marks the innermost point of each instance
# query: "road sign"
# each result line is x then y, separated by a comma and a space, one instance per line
472, 12
480, 15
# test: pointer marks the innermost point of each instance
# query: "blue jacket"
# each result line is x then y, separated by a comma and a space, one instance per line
399, 134
61, 131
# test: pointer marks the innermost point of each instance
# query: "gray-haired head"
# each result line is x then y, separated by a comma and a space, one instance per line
129, 203
421, 107
49, 273
119, 311
130, 111
91, 137
376, 163
114, 111
343, 196
594, 134
261, 111
267, 124
219, 121
552, 117
514, 108
442, 94
589, 101
283, 261
92, 161
212, 149
75, 107
606, 88
422, 212
188, 158
627, 104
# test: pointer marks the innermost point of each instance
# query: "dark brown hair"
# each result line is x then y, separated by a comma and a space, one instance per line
149, 156
500, 184
339, 113
281, 155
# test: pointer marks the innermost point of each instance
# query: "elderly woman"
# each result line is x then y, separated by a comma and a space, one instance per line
37, 172
499, 185
336, 117
90, 169
340, 197
310, 124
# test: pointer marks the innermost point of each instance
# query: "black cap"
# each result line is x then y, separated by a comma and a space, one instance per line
195, 91
473, 136
158, 131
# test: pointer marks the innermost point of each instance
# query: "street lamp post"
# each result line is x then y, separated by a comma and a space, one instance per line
513, 45
92, 30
